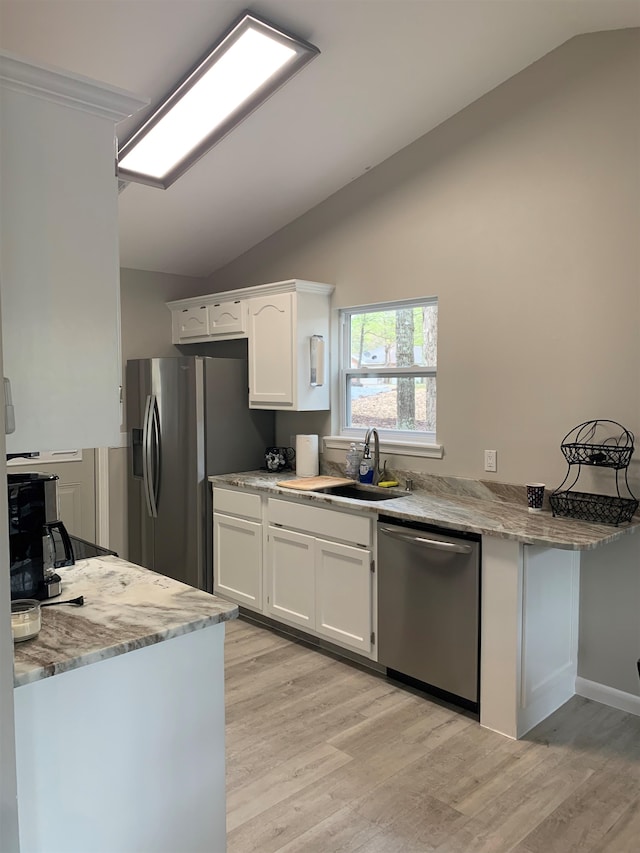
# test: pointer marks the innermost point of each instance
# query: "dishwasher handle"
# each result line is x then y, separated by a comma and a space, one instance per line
452, 547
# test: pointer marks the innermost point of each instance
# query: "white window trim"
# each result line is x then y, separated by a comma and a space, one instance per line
390, 446
392, 441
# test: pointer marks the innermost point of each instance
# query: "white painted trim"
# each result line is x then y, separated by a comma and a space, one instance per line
501, 634
8, 786
67, 89
46, 457
397, 448
608, 696
102, 496
294, 285
554, 686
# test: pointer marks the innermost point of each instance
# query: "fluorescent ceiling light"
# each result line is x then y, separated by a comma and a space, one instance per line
247, 65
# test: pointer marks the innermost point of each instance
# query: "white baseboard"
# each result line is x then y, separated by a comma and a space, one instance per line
608, 696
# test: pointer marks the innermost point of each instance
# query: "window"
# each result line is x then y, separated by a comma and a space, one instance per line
388, 375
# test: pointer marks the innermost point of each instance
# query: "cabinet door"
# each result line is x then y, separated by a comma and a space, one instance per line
343, 599
271, 360
76, 487
193, 322
290, 592
237, 560
227, 319
59, 265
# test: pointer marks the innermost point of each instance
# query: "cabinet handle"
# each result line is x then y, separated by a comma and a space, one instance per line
428, 543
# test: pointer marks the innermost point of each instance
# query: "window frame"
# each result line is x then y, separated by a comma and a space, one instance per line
399, 438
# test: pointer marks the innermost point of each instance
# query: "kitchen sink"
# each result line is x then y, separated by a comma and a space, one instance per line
361, 492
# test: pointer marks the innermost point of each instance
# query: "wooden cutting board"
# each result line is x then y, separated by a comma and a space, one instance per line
308, 484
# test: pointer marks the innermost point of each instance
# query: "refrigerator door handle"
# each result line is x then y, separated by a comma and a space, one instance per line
146, 455
154, 486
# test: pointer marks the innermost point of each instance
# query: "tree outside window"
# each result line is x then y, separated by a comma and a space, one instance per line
389, 368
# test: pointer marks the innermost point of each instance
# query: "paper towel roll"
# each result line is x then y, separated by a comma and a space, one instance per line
307, 455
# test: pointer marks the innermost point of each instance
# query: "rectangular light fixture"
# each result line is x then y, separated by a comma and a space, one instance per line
246, 66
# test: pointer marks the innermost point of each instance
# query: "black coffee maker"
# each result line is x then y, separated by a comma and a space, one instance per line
38, 541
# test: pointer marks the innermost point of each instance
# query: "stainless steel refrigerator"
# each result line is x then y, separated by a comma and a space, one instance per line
188, 418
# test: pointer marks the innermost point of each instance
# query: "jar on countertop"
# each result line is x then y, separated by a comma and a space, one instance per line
352, 469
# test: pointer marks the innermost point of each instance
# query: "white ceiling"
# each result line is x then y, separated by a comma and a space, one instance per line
389, 71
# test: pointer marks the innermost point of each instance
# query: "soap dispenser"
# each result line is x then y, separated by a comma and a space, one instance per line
366, 467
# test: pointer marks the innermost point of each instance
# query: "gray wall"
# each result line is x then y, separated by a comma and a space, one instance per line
146, 320
146, 332
521, 213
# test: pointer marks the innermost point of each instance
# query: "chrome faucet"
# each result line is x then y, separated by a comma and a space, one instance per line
372, 431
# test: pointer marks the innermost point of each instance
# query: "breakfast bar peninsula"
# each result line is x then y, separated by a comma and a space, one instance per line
119, 716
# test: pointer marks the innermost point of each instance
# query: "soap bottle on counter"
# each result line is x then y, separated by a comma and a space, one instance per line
366, 467
352, 468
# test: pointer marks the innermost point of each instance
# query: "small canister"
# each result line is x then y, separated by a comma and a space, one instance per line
26, 619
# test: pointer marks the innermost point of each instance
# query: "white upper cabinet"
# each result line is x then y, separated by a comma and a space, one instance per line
59, 264
228, 318
271, 351
280, 320
282, 324
193, 322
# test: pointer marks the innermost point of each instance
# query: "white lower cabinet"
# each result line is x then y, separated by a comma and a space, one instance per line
291, 575
323, 586
237, 547
276, 557
343, 594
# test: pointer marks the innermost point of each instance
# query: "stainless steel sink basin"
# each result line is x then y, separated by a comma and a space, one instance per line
361, 492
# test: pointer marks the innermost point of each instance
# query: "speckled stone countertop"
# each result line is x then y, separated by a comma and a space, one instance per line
126, 607
455, 504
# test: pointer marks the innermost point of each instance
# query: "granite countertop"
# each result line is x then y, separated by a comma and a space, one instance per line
126, 607
466, 511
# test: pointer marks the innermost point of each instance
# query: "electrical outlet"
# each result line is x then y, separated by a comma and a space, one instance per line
491, 460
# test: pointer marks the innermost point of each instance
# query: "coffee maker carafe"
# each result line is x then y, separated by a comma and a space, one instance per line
38, 541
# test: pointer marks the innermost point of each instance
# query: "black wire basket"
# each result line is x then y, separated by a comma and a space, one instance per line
587, 445
603, 509
593, 444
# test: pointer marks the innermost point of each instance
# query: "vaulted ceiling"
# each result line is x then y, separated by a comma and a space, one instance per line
389, 71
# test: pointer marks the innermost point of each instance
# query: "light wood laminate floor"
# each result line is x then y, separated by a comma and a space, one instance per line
323, 757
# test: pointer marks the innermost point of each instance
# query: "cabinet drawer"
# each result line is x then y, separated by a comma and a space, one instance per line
329, 523
235, 502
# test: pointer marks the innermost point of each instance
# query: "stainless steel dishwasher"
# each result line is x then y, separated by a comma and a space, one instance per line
429, 608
